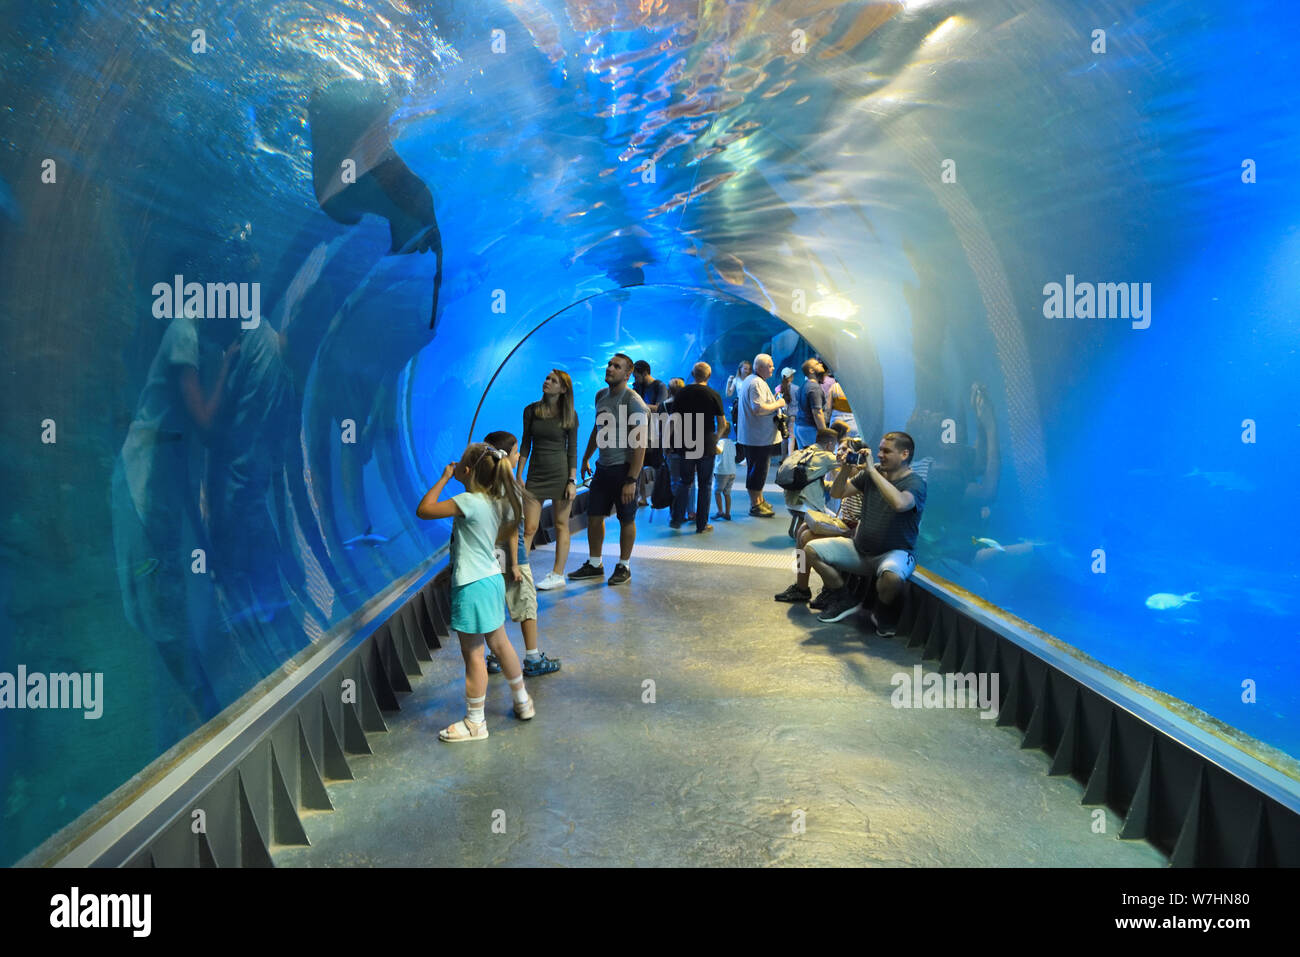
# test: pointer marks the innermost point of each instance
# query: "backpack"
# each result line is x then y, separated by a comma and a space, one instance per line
662, 496
839, 401
804, 467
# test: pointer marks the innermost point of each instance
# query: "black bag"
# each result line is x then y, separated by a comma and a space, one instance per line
740, 454
783, 425
662, 496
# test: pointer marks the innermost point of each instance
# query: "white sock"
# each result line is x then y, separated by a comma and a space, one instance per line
626, 563
533, 655
596, 560
474, 709
517, 689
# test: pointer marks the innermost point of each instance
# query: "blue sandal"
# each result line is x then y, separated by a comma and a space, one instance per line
542, 666
493, 666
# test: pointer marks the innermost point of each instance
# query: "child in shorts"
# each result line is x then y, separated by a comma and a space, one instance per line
477, 591
521, 593
724, 476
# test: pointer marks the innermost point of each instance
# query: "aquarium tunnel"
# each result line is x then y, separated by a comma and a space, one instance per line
266, 267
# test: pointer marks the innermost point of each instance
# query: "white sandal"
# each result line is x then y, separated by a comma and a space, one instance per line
463, 730
526, 710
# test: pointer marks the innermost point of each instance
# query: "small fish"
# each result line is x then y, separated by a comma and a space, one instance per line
369, 539
987, 543
1230, 481
1164, 601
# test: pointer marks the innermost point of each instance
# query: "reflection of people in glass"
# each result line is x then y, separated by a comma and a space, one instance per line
246, 449
964, 486
156, 524
549, 450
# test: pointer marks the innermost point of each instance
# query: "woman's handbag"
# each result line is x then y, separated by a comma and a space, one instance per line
824, 524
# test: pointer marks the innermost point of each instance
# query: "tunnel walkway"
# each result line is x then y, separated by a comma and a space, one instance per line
771, 739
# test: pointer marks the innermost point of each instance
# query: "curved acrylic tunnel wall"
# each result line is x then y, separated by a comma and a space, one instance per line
899, 182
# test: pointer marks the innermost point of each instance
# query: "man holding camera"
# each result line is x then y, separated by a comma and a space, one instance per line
757, 431
884, 543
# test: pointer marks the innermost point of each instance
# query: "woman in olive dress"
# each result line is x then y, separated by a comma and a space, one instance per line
549, 448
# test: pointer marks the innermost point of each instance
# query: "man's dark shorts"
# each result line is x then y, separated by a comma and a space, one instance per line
605, 492
759, 459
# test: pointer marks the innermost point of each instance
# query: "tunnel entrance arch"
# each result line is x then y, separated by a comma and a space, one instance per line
671, 326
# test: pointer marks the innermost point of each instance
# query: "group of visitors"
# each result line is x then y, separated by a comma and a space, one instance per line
863, 554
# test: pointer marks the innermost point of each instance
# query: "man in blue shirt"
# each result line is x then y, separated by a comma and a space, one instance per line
810, 418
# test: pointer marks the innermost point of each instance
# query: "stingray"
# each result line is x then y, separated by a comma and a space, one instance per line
349, 121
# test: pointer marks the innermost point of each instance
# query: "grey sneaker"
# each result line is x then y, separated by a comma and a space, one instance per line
621, 574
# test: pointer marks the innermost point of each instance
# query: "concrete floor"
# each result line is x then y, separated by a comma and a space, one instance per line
771, 740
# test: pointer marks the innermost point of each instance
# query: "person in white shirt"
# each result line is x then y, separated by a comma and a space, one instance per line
757, 431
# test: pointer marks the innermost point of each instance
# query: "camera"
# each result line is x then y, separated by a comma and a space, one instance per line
856, 454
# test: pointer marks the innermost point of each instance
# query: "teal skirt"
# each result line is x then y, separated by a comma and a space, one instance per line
479, 607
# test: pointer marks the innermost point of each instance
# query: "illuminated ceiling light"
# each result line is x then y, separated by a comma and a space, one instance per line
833, 307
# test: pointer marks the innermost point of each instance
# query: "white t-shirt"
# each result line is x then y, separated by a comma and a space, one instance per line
755, 427
161, 423
725, 462
474, 537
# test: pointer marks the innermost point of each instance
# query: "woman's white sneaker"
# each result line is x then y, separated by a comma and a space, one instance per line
551, 581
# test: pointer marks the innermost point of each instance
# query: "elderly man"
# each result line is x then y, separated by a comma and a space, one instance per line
757, 431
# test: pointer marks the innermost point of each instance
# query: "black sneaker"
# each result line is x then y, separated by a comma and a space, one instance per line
795, 594
841, 606
621, 574
883, 630
823, 596
588, 570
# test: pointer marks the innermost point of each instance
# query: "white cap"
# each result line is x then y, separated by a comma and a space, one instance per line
786, 371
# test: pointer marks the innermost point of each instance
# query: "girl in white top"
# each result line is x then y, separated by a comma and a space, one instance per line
477, 588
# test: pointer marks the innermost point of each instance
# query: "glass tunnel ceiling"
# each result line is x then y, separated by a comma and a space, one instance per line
893, 183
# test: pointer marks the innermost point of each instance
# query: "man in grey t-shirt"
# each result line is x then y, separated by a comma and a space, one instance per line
621, 433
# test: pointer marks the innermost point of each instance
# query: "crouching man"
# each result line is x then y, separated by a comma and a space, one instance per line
884, 544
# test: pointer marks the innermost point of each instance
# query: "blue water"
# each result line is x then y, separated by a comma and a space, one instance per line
771, 189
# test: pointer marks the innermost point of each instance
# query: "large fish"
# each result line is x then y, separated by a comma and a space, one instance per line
1164, 601
349, 121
